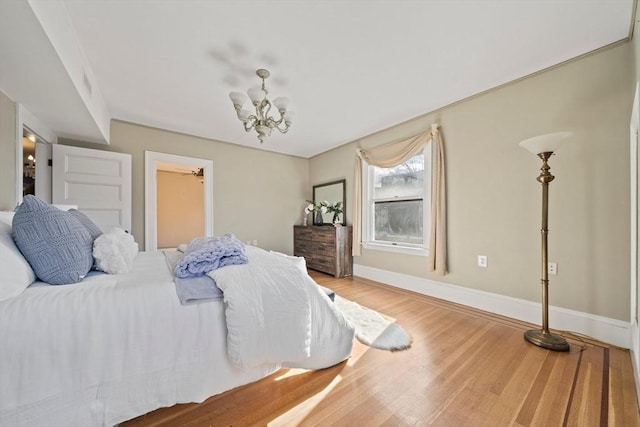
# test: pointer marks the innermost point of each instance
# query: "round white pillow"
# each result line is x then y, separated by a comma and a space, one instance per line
115, 251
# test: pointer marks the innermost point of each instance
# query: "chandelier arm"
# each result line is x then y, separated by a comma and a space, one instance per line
283, 130
272, 123
264, 108
250, 123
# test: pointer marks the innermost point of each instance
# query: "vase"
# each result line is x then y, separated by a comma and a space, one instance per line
318, 219
336, 218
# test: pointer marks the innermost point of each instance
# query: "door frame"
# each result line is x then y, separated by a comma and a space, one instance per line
634, 329
151, 159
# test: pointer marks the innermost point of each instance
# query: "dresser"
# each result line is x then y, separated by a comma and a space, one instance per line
325, 248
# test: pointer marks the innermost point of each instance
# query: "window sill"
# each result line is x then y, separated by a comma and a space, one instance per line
396, 249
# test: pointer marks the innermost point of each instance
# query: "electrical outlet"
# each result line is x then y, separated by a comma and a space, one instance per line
482, 261
552, 268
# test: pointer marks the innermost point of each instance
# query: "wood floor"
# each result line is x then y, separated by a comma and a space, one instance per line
465, 368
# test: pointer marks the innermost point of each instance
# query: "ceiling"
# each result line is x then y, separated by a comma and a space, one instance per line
350, 67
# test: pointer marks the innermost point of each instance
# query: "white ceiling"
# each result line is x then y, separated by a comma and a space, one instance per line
351, 67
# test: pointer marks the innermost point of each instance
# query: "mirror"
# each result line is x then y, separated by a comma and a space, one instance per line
332, 192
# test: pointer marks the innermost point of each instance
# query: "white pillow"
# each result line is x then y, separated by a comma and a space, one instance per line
16, 271
114, 251
7, 217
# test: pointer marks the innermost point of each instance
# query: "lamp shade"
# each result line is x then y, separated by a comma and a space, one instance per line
281, 103
288, 117
548, 143
256, 94
243, 115
238, 98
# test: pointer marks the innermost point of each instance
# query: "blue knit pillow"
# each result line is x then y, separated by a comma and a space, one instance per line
55, 243
92, 228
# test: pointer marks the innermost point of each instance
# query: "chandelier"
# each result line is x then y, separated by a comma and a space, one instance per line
261, 121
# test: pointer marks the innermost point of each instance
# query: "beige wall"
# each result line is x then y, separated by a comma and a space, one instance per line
7, 153
494, 200
180, 202
257, 195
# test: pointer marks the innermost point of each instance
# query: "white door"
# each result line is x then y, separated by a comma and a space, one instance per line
97, 181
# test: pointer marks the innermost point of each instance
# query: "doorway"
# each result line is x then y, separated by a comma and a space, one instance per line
195, 173
35, 139
35, 175
180, 200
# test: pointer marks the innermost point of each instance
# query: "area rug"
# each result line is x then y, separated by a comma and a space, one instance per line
372, 328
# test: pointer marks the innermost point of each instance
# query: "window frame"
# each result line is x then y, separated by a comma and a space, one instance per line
368, 212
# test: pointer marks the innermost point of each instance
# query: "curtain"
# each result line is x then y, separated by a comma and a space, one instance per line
392, 154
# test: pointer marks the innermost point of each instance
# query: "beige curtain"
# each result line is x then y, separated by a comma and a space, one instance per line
392, 154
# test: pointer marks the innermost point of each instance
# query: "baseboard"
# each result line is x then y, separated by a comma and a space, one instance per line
605, 329
635, 355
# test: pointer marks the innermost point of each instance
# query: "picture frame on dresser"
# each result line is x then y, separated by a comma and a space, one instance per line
332, 192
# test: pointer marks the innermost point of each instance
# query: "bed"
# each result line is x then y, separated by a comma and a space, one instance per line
115, 346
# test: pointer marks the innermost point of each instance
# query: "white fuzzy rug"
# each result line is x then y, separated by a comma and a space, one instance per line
372, 328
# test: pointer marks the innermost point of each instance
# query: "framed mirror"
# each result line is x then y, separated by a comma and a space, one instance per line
332, 193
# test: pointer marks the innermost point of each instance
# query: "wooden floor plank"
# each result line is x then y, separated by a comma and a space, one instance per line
465, 367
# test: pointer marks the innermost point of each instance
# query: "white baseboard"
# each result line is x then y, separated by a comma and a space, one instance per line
605, 329
635, 354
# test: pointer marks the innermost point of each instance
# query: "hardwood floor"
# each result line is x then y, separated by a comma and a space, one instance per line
465, 367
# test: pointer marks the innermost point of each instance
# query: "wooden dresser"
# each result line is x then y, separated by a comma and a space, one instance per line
325, 248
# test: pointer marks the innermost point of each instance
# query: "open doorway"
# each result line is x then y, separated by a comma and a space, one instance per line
180, 201
173, 187
36, 176
28, 163
35, 139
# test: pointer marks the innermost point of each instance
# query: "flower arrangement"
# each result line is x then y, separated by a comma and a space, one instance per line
335, 208
323, 208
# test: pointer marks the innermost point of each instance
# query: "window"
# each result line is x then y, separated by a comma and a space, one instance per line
396, 205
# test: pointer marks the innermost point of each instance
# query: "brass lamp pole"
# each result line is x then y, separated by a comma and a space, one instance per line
544, 146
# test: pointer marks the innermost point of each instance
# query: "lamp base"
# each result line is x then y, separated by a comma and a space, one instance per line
546, 340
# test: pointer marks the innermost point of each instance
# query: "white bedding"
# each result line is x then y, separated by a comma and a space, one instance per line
259, 330
117, 346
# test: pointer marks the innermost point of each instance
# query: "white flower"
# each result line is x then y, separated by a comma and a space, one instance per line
308, 208
323, 209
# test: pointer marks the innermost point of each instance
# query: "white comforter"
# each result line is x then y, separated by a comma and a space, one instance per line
271, 305
116, 346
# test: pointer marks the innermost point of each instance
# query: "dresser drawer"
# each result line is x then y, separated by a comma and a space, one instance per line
324, 248
322, 264
302, 233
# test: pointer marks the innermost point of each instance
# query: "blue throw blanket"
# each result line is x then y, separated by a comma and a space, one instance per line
205, 254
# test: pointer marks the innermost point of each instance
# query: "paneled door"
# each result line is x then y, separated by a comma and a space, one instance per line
97, 181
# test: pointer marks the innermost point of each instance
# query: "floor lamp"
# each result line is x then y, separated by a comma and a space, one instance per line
544, 146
